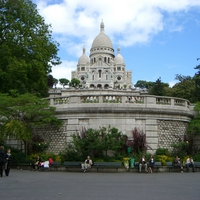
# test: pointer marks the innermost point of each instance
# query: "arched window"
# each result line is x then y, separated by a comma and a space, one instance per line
99, 73
105, 59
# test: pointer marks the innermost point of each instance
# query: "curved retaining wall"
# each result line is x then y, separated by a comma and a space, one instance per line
163, 119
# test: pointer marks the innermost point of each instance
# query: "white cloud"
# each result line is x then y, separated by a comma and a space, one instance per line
135, 21
77, 22
64, 70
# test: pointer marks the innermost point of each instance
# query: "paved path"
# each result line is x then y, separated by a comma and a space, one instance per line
28, 185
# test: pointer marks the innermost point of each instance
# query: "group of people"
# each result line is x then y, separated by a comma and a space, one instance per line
6, 158
39, 164
149, 165
5, 161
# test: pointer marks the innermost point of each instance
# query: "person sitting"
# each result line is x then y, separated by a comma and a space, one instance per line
46, 164
190, 163
143, 163
177, 163
87, 164
37, 163
151, 164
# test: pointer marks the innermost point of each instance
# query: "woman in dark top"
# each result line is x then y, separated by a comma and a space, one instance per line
37, 163
8, 159
151, 164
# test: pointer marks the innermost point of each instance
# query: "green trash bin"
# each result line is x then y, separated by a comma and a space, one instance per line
132, 162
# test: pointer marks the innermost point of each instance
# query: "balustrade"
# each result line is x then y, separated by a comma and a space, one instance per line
166, 101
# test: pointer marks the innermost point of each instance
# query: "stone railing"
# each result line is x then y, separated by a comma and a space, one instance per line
145, 100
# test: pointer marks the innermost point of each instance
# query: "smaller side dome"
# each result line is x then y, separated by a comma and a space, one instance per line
83, 59
118, 58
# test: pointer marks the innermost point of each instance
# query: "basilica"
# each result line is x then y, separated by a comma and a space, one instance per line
102, 69
106, 98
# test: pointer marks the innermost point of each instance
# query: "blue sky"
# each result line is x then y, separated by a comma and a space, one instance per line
157, 38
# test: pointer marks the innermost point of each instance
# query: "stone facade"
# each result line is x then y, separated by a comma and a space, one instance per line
163, 119
103, 69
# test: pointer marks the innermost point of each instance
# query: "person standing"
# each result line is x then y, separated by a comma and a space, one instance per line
8, 159
2, 159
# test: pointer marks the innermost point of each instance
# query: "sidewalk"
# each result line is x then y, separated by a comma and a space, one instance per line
28, 185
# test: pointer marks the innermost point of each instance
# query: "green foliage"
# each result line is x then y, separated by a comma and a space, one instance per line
183, 89
143, 84
64, 82
105, 143
196, 157
27, 49
180, 149
163, 159
194, 125
158, 88
74, 83
55, 82
197, 83
22, 114
162, 151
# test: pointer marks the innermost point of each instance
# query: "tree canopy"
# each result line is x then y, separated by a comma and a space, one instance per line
183, 89
20, 115
158, 88
27, 50
64, 82
74, 82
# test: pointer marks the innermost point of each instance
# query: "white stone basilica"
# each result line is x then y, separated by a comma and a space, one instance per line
102, 69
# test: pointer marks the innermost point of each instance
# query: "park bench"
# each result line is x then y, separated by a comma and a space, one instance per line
170, 166
157, 166
22, 164
197, 165
115, 165
55, 165
73, 164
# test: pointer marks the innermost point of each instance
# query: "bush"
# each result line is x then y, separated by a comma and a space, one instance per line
162, 151
163, 159
180, 149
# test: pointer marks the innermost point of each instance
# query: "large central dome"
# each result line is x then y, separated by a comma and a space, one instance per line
102, 40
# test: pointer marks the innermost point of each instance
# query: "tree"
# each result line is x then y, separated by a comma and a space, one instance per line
96, 143
183, 89
27, 49
74, 83
50, 81
194, 125
158, 88
55, 82
197, 83
139, 143
21, 114
64, 82
143, 84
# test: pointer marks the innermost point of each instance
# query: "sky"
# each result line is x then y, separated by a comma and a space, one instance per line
157, 38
